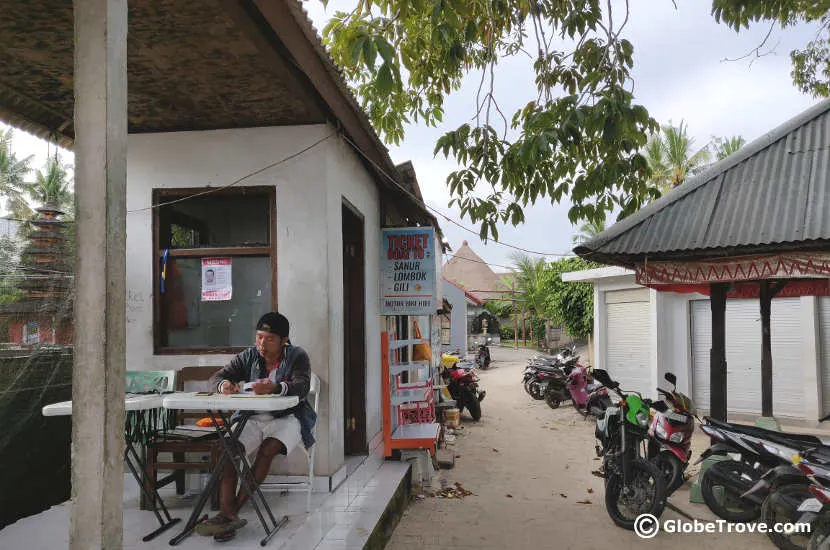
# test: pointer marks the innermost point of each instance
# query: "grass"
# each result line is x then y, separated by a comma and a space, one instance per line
510, 344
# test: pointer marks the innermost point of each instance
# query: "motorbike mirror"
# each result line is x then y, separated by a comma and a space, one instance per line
671, 378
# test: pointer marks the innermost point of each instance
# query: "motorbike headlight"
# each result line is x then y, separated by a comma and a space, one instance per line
660, 430
676, 437
642, 419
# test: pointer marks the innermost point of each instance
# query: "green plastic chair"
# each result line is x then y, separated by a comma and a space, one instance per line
150, 381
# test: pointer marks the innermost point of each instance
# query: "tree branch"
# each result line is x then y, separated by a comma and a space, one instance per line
757, 49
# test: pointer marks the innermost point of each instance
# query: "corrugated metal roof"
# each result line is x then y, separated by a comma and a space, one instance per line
774, 191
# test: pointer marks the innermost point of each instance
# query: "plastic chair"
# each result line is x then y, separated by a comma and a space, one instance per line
308, 484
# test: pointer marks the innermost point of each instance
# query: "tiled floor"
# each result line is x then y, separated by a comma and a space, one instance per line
344, 519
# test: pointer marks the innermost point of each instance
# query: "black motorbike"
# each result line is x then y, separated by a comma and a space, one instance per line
483, 355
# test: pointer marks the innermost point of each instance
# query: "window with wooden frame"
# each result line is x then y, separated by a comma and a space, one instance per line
446, 329
234, 228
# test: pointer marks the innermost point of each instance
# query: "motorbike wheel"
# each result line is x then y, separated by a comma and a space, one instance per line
771, 514
645, 494
536, 392
552, 400
725, 501
473, 404
672, 470
820, 539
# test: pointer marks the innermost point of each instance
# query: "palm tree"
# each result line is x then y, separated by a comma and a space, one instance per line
588, 231
726, 146
52, 186
13, 172
670, 157
528, 290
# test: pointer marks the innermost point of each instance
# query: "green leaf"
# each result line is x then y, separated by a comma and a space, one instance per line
384, 80
370, 53
354, 52
387, 52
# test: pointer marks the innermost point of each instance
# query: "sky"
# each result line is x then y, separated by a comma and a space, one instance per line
681, 72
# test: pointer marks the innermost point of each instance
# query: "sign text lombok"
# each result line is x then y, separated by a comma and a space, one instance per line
407, 276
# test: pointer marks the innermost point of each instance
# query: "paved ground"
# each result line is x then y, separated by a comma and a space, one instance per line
530, 469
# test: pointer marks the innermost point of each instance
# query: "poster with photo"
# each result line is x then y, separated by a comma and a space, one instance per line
217, 283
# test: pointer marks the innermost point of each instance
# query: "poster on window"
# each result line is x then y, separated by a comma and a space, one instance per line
217, 284
408, 267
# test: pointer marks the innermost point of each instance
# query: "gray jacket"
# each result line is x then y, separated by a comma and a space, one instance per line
294, 372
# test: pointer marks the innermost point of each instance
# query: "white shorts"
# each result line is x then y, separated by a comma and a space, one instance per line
259, 426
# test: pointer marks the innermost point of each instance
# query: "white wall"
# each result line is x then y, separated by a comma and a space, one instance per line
349, 180
309, 190
458, 318
671, 344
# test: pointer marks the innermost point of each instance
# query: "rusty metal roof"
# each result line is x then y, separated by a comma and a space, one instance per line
772, 195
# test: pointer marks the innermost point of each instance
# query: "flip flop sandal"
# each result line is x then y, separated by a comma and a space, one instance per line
218, 524
225, 536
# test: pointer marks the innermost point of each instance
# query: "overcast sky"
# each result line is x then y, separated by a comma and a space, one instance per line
680, 74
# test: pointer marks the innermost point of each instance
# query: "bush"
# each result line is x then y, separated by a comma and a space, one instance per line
507, 333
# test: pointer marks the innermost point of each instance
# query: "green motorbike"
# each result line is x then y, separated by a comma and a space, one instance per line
633, 484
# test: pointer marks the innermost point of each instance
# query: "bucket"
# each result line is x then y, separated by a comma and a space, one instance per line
452, 418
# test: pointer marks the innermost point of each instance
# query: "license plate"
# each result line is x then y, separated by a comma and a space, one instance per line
810, 505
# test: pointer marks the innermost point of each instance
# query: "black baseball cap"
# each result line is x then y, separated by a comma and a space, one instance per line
275, 323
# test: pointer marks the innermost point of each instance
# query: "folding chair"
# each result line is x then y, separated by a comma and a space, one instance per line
308, 483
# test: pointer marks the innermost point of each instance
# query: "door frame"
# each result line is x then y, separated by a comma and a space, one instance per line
355, 437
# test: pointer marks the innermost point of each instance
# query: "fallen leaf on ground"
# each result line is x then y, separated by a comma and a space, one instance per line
566, 466
590, 490
457, 456
596, 458
563, 495
495, 450
586, 501
508, 495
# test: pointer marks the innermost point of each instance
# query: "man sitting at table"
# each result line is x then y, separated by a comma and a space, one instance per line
276, 367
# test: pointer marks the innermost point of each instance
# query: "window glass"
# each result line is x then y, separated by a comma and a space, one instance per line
216, 221
191, 323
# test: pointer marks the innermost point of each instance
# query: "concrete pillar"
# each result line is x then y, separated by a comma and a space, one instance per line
811, 362
600, 329
100, 291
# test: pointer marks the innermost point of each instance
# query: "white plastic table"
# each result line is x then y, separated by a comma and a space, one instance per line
217, 406
135, 406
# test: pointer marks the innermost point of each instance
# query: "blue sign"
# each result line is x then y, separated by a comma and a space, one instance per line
408, 266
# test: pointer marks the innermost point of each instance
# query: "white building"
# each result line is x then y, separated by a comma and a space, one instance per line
640, 334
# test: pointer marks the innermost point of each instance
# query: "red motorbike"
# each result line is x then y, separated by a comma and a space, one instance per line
671, 428
463, 387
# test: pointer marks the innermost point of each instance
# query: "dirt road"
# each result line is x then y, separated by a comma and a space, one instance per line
530, 469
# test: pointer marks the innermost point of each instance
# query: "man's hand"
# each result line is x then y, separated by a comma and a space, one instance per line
229, 387
264, 387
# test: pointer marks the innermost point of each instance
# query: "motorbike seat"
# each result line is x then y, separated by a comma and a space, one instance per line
793, 440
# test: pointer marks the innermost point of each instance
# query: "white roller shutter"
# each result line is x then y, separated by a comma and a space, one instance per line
824, 344
743, 356
628, 337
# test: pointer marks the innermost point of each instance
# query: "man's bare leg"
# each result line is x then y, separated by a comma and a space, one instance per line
262, 463
227, 490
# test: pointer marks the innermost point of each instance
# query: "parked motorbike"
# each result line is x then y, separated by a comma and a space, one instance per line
633, 484
731, 487
588, 398
463, 387
671, 429
483, 355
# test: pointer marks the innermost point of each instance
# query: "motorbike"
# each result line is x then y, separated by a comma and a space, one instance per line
483, 355
588, 398
633, 484
463, 387
671, 429
735, 489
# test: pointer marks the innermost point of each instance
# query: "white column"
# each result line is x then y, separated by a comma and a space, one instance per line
810, 360
658, 334
600, 330
100, 295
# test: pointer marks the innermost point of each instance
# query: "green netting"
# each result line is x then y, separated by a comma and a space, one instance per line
34, 450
